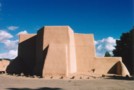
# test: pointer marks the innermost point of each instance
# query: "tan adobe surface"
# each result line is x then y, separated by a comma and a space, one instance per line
3, 65
58, 51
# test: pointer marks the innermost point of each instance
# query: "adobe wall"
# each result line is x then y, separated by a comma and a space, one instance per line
40, 53
64, 37
85, 52
110, 65
105, 65
72, 52
3, 65
56, 62
55, 34
27, 52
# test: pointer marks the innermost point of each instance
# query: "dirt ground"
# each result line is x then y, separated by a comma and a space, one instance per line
22, 83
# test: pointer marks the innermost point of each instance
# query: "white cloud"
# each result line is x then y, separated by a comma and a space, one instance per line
23, 32
4, 35
11, 44
12, 49
12, 27
99, 47
95, 42
11, 54
106, 44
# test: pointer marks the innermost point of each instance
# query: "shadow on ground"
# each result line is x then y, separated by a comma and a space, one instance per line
120, 78
43, 88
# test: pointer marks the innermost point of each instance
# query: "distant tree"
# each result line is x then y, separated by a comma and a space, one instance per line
107, 54
124, 49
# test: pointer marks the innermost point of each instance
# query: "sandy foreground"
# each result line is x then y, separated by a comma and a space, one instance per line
22, 83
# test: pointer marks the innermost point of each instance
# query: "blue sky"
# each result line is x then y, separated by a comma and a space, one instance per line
103, 18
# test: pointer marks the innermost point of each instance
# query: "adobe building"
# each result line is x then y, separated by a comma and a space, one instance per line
3, 65
58, 51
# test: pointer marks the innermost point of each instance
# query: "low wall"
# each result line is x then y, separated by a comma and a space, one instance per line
106, 65
3, 65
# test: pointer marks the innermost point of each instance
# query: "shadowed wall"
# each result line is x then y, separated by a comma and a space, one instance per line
25, 61
40, 52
